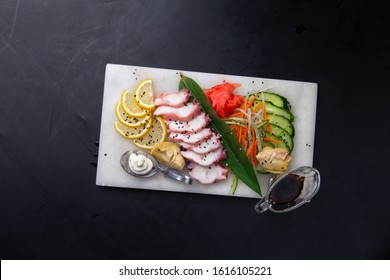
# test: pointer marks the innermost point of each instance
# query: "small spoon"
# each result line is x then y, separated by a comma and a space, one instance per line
170, 173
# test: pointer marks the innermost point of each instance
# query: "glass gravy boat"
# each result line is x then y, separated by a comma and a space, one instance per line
290, 190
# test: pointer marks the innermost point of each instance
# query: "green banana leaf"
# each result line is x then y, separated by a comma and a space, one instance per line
236, 159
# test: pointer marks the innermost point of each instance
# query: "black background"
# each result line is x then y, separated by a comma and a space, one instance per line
52, 62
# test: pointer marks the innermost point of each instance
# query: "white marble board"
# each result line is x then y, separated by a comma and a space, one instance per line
301, 95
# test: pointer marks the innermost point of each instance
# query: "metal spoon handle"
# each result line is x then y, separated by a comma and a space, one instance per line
171, 173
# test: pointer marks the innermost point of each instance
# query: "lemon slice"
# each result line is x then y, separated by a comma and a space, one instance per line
128, 120
144, 94
155, 135
132, 132
130, 106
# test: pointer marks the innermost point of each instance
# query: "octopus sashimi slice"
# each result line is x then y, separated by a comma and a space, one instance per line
206, 159
207, 175
207, 145
194, 125
191, 138
184, 113
172, 99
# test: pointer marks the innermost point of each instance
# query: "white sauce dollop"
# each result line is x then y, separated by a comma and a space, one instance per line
140, 164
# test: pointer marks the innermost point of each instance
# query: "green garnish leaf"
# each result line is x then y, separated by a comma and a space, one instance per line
236, 159
233, 187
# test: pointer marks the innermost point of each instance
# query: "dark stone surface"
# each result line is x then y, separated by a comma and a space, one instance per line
52, 62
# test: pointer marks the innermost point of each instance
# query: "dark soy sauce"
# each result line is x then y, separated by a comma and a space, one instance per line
287, 190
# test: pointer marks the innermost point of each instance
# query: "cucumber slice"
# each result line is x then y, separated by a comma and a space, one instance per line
282, 123
275, 99
282, 144
283, 134
280, 118
272, 109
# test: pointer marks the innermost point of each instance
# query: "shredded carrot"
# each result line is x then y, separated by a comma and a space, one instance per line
252, 148
243, 104
269, 128
245, 130
244, 135
254, 152
258, 106
264, 111
249, 150
238, 136
266, 118
250, 102
271, 140
253, 134
242, 132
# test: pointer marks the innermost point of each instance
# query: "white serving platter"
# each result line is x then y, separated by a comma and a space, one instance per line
301, 95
